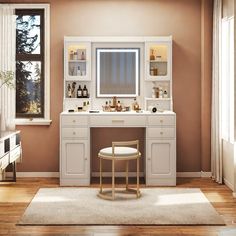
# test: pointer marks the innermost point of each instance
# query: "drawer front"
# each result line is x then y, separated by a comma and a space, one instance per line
12, 142
161, 120
74, 120
74, 132
15, 154
4, 161
117, 121
161, 132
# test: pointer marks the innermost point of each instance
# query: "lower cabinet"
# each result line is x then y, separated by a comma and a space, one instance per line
161, 162
75, 162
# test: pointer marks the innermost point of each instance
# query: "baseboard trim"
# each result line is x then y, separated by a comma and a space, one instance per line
206, 174
228, 184
34, 174
105, 174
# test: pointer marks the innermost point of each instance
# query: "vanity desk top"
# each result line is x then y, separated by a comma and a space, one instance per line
132, 113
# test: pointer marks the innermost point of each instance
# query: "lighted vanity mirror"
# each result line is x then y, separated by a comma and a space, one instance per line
118, 72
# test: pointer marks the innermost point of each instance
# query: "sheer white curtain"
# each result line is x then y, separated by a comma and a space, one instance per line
216, 140
7, 63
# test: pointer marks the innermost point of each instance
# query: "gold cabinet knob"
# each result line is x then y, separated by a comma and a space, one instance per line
74, 121
161, 133
161, 121
74, 133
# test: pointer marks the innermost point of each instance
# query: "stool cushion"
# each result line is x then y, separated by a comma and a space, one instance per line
119, 151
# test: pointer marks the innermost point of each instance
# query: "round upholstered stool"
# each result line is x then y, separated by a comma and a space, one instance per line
120, 151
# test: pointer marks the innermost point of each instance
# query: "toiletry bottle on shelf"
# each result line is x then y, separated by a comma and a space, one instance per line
82, 55
71, 55
114, 101
73, 91
68, 91
79, 92
85, 92
75, 56
165, 94
135, 105
118, 106
152, 56
84, 106
78, 71
160, 92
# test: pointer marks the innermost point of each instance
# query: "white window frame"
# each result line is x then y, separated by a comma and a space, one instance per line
46, 120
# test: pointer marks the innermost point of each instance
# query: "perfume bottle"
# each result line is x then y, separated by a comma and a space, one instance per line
79, 92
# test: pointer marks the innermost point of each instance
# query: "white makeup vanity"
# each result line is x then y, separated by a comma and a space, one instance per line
139, 67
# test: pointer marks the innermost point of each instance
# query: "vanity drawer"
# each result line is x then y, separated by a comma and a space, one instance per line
161, 120
74, 132
74, 120
117, 121
161, 132
4, 161
15, 154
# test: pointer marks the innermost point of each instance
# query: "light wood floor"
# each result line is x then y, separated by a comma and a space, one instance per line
14, 199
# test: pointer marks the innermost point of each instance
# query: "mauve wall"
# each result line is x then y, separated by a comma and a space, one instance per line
181, 19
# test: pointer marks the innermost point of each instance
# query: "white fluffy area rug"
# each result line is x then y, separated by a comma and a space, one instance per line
156, 206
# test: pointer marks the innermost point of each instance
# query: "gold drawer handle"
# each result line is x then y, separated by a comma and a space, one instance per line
118, 121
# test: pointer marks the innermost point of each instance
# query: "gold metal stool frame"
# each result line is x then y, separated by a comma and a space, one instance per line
114, 157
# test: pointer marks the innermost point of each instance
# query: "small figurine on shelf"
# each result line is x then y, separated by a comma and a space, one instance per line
73, 90
68, 91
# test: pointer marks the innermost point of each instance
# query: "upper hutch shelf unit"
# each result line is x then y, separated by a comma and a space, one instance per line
155, 65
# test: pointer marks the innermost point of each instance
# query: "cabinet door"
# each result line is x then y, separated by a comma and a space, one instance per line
158, 60
75, 159
161, 160
77, 60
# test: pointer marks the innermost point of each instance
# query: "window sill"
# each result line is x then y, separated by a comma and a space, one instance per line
35, 121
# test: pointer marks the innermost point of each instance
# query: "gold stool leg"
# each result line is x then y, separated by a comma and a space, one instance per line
138, 193
113, 179
127, 175
100, 175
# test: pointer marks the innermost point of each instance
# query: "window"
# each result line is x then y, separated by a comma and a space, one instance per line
29, 63
32, 64
227, 79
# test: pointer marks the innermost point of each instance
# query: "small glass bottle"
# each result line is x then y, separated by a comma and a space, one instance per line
82, 55
85, 92
79, 92
165, 94
71, 55
78, 71
152, 56
75, 56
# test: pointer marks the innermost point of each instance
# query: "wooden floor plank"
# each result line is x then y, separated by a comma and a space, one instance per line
15, 197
